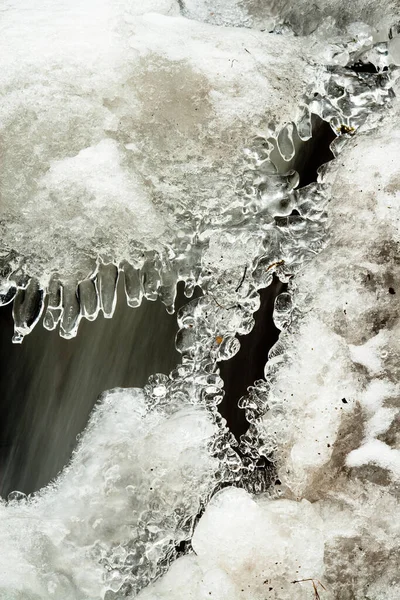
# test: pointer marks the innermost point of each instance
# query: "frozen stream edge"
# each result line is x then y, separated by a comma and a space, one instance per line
175, 419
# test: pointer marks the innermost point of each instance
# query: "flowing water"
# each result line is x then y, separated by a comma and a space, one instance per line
49, 385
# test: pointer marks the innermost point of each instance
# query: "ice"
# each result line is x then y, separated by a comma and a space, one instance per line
257, 547
124, 152
248, 548
119, 149
349, 304
126, 156
302, 17
330, 526
110, 138
113, 517
331, 411
237, 13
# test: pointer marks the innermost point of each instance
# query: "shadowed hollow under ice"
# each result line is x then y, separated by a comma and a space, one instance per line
165, 142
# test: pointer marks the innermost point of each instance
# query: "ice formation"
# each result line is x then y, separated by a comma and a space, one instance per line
349, 298
121, 153
115, 140
160, 144
138, 479
302, 17
327, 414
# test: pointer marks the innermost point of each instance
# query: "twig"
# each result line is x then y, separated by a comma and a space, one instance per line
275, 264
241, 281
220, 305
316, 593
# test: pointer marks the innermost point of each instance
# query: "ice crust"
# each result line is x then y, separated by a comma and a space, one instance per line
333, 383
114, 516
125, 155
350, 293
255, 547
237, 541
327, 416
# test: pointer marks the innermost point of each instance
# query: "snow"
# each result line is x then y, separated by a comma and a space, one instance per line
254, 547
96, 105
377, 453
331, 399
304, 17
348, 341
134, 485
121, 150
329, 416
247, 548
237, 13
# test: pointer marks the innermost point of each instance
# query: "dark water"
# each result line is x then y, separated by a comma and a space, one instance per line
48, 385
248, 364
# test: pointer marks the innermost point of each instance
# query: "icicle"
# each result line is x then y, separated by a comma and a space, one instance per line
167, 290
107, 279
150, 276
133, 287
54, 304
71, 311
88, 299
27, 309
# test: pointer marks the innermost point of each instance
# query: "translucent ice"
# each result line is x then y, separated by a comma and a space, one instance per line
124, 153
327, 416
